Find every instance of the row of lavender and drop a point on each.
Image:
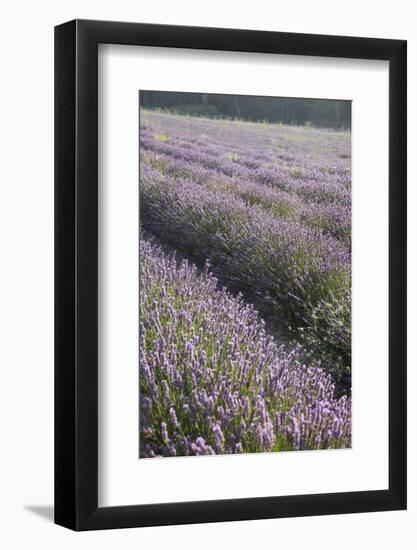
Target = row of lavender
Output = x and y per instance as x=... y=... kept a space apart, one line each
x=269 y=207
x=295 y=173
x=213 y=382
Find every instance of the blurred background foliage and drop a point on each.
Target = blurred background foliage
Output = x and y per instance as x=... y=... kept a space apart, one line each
x=322 y=113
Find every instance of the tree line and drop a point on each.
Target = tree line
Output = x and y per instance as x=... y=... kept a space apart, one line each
x=328 y=113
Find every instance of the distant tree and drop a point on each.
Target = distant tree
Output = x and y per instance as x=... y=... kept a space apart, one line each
x=317 y=112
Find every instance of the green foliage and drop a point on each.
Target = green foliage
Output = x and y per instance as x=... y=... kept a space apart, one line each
x=233 y=157
x=277 y=110
x=207 y=111
x=161 y=137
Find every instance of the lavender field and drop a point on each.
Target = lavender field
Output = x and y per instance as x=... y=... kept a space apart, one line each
x=245 y=286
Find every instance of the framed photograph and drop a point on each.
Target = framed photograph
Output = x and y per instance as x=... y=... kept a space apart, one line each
x=230 y=284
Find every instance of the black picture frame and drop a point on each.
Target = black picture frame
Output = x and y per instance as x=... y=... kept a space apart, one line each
x=76 y=272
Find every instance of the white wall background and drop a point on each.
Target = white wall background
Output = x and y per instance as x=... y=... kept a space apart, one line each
x=26 y=286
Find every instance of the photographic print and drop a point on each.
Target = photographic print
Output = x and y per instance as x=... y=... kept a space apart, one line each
x=244 y=274
x=203 y=274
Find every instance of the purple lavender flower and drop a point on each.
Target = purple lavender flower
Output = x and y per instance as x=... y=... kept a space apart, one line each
x=256 y=398
x=265 y=211
x=269 y=207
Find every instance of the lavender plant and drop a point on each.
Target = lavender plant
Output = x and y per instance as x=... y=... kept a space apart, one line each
x=270 y=208
x=212 y=381
x=283 y=266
